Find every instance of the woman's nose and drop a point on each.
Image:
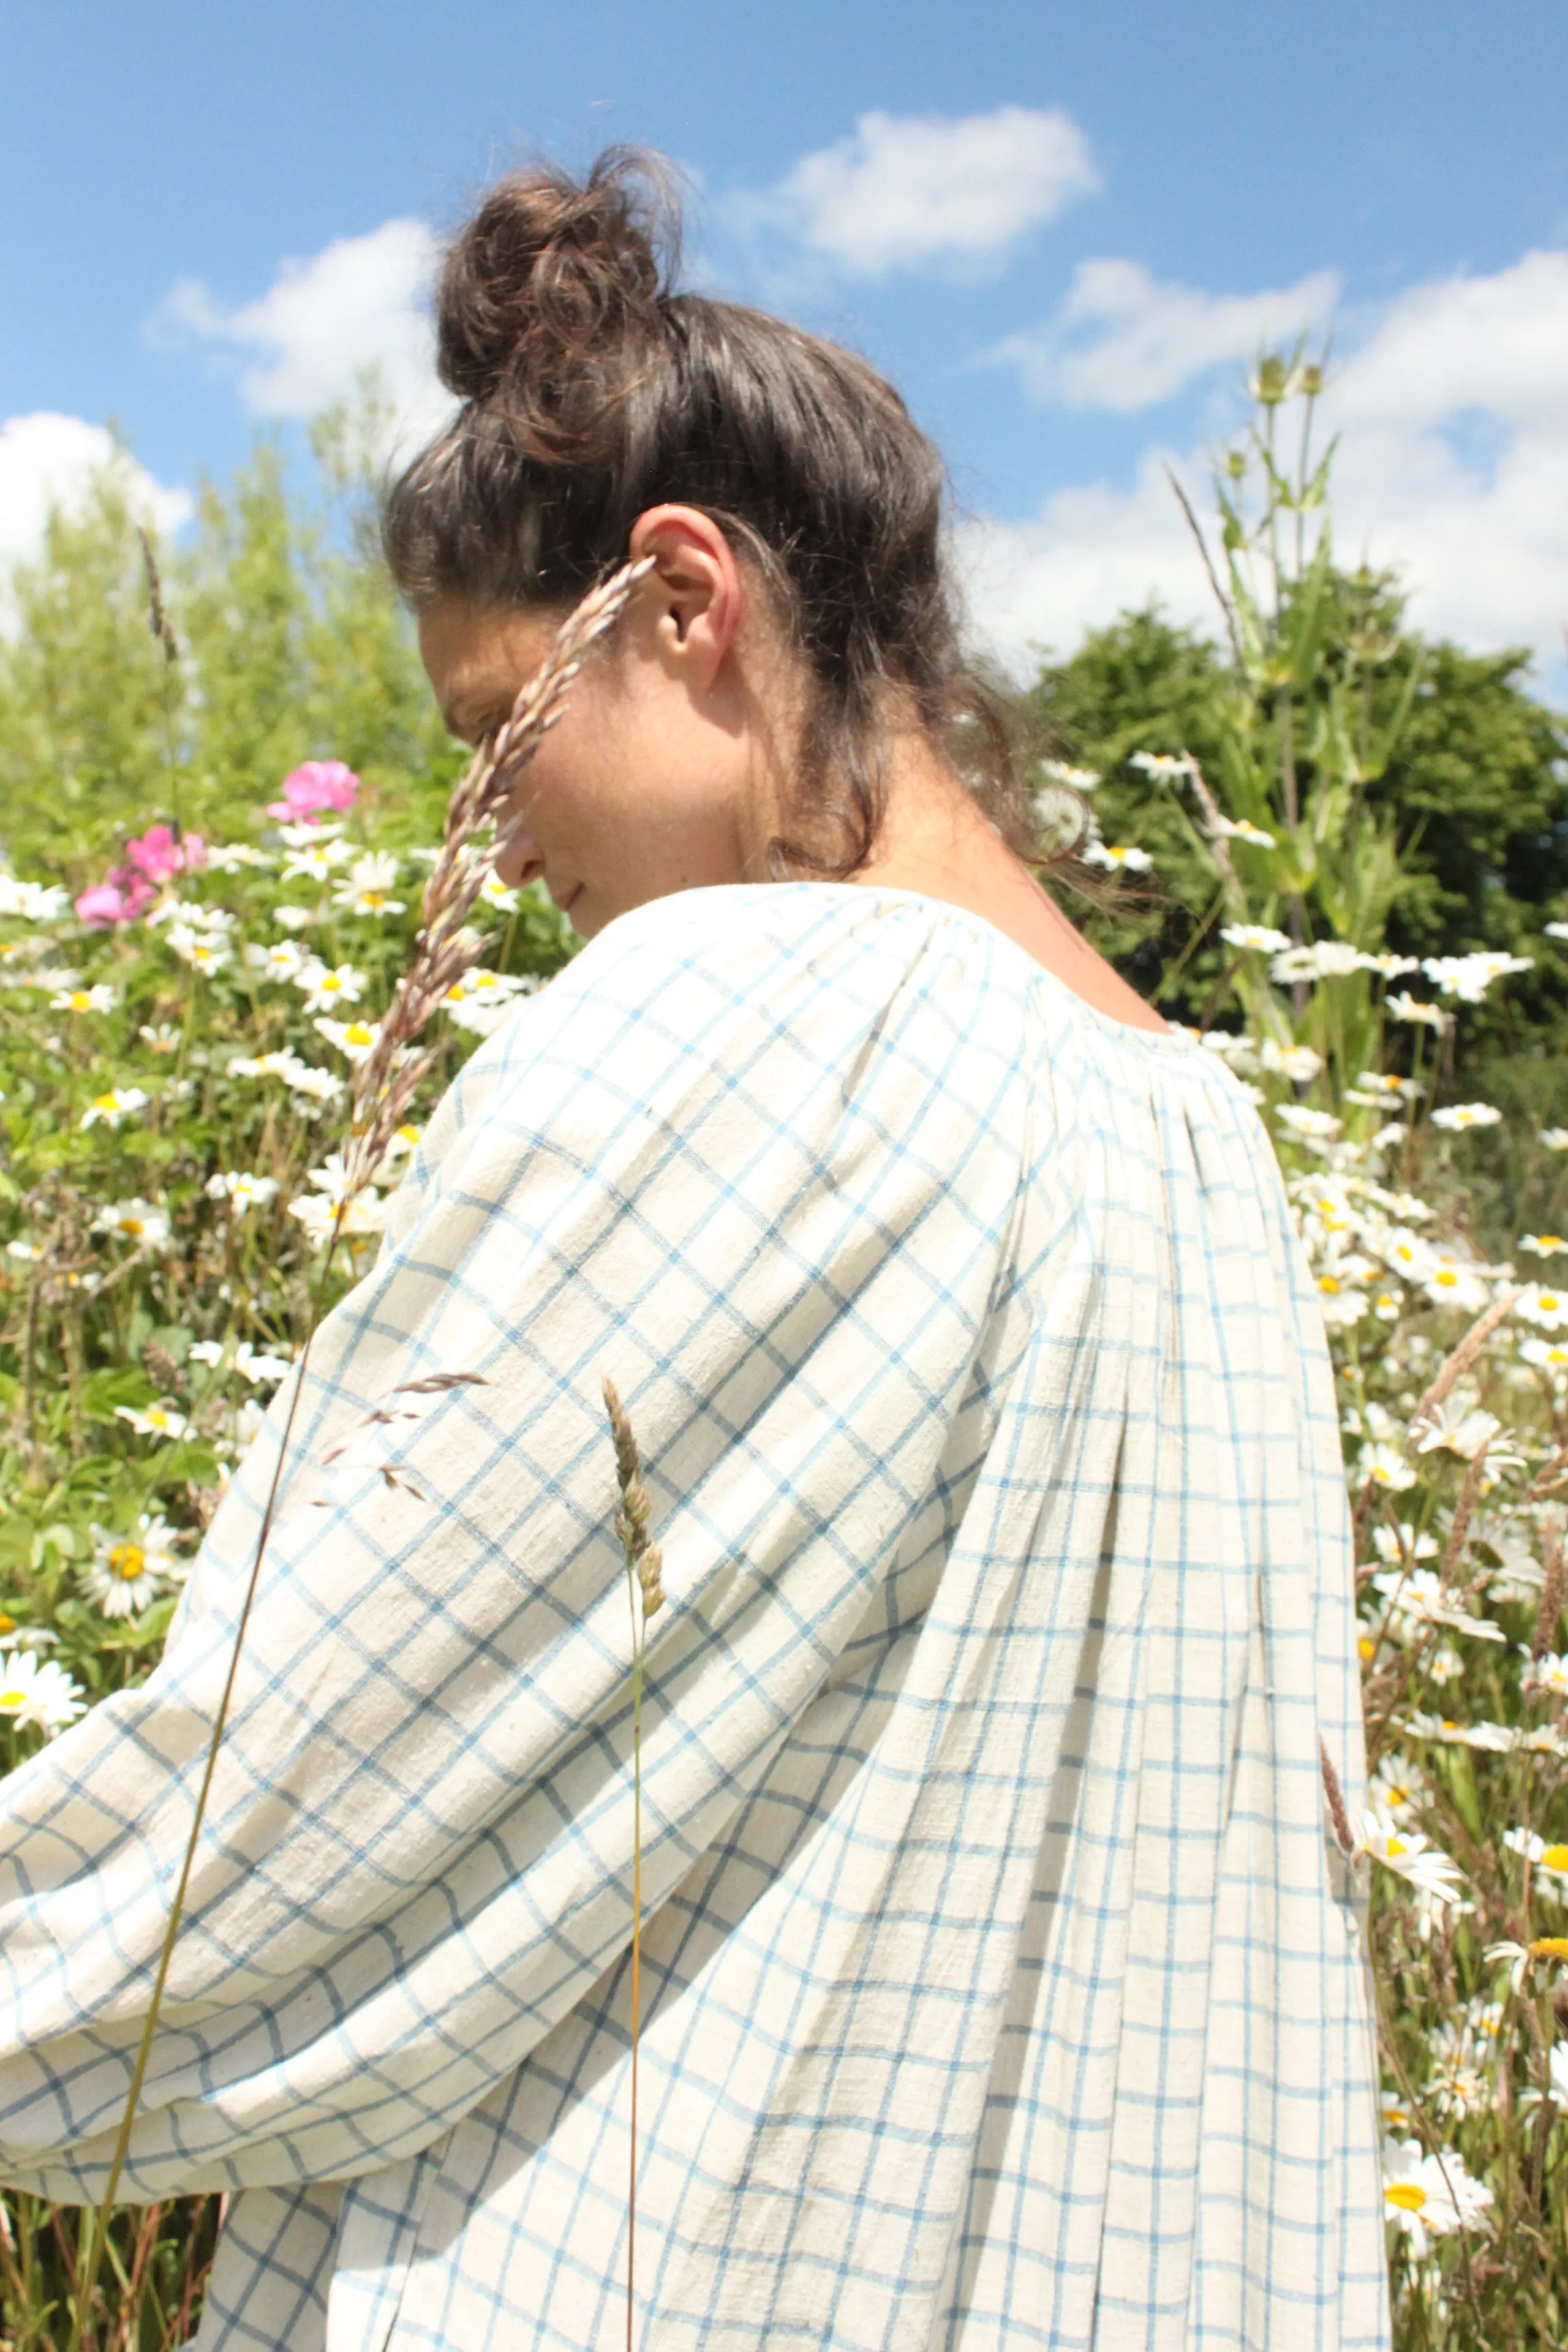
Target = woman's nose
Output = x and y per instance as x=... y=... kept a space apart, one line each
x=519 y=859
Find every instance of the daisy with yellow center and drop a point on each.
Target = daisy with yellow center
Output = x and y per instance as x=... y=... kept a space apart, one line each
x=39 y=1691
x=154 y=1420
x=1428 y=2197
x=129 y=1571
x=355 y=1039
x=113 y=1104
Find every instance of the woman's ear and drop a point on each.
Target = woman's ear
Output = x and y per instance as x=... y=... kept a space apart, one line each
x=693 y=597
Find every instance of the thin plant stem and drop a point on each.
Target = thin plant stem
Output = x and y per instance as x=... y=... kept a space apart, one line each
x=644 y=1592
x=637 y=1984
x=105 y=2210
x=1220 y=597
x=385 y=1085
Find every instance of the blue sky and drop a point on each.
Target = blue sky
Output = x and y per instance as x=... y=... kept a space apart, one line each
x=1061 y=230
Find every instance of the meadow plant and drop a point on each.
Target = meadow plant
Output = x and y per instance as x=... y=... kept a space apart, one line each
x=1452 y=1372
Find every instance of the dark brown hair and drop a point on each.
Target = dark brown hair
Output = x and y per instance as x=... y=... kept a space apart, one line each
x=591 y=391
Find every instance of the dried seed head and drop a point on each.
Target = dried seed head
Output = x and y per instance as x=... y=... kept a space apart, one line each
x=633 y=1520
x=1554 y=1582
x=649 y=1567
x=385 y=1081
x=1335 y=1795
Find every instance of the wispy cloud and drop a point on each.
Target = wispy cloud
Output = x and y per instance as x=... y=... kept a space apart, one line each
x=928 y=191
x=358 y=304
x=46 y=460
x=1122 y=341
x=1452 y=411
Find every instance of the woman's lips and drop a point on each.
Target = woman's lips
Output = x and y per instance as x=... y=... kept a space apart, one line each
x=566 y=904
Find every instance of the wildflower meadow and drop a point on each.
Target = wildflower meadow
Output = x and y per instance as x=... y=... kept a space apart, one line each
x=201 y=940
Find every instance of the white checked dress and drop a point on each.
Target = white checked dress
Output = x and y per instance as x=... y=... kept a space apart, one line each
x=1002 y=1987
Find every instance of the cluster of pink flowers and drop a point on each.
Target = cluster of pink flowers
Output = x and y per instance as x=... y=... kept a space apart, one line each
x=319 y=785
x=131 y=887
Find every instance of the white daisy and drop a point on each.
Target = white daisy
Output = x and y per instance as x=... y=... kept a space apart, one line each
x=35 y=1690
x=154 y=1420
x=1117 y=857
x=130 y=1571
x=1301 y=1119
x=356 y=1039
x=1299 y=1061
x=1548 y=1673
x=134 y=1221
x=1412 y=1008
x=241 y=1188
x=32 y=902
x=318 y=861
x=1458 y=1117
x=1395 y=1787
x=204 y=950
x=1430 y=2195
x=1550 y=1861
x=1386 y=1467
x=113 y=1104
x=1451 y=1284
x=369 y=884
x=97 y=999
x=1541 y=1304
x=1411 y=1854
x=228 y=857
x=1257 y=938
x=329 y=987
x=284 y=960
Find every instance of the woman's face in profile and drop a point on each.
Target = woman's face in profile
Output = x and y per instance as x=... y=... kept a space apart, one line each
x=656 y=776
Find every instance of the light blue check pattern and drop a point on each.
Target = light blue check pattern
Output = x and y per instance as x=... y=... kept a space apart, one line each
x=1001 y=1986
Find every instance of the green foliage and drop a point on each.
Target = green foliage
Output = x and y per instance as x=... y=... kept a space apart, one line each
x=291 y=646
x=1476 y=794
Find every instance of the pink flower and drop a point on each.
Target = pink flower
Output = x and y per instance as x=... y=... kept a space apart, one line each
x=105 y=903
x=129 y=889
x=319 y=785
x=157 y=856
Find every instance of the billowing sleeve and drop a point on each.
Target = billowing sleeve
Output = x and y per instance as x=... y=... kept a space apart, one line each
x=735 y=1170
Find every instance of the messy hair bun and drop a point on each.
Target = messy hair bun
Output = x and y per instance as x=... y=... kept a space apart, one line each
x=550 y=291
x=592 y=390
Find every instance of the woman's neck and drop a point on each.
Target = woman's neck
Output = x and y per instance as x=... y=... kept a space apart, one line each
x=935 y=840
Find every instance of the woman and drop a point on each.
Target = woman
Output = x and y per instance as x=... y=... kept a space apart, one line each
x=1002 y=1983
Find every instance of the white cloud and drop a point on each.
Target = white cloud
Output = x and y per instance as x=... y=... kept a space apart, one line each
x=904 y=192
x=48 y=459
x=1153 y=340
x=1452 y=468
x=1499 y=343
x=1089 y=554
x=359 y=303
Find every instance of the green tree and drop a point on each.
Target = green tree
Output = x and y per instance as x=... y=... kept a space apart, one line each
x=1476 y=794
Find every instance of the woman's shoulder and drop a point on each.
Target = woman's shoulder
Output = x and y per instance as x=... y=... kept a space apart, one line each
x=811 y=943
x=749 y=973
x=835 y=1019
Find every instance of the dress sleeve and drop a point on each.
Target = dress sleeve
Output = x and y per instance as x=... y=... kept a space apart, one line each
x=721 y=1173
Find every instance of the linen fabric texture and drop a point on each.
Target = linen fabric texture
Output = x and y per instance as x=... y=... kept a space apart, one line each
x=1002 y=1984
